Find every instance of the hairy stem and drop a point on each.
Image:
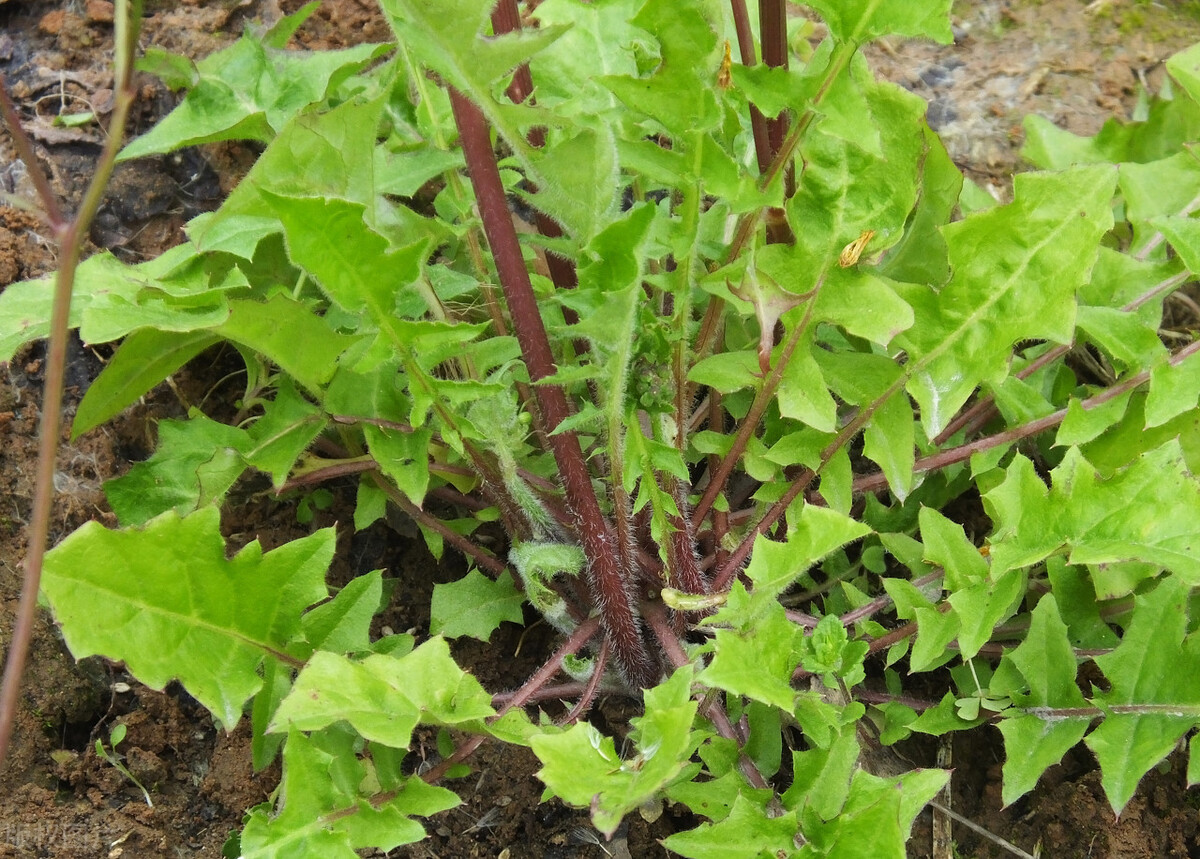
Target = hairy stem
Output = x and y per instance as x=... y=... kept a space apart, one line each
x=609 y=583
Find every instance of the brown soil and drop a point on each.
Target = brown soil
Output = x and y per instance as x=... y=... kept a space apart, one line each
x=1075 y=63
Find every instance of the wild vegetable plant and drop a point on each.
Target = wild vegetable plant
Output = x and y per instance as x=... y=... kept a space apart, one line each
x=793 y=434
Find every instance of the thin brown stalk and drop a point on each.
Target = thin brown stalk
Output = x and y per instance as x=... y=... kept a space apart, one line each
x=70 y=241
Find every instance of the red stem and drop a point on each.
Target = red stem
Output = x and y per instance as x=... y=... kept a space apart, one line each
x=609 y=583
x=582 y=634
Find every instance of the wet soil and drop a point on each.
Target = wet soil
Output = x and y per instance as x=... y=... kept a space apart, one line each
x=1074 y=62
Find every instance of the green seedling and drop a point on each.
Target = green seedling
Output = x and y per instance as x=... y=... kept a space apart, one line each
x=115 y=736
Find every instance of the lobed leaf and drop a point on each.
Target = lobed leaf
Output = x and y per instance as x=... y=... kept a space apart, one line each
x=158 y=598
x=1005 y=287
x=475 y=605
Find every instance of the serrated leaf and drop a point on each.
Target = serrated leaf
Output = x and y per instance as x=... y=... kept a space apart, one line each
x=678 y=94
x=1161 y=189
x=803 y=394
x=757 y=661
x=1184 y=67
x=383 y=697
x=890 y=442
x=353 y=264
x=583 y=769
x=947 y=544
x=145 y=358
x=821 y=779
x=1038 y=738
x=969 y=327
x=1156 y=666
x=194 y=465
x=877 y=816
x=746 y=833
x=320 y=818
x=1082 y=425
x=774 y=566
x=475 y=605
x=727 y=371
x=1147 y=512
x=343 y=624
x=159 y=598
x=1174 y=390
x=581 y=176
x=860 y=21
x=247 y=92
x=273 y=328
x=449 y=38
x=403 y=457
x=112 y=299
x=288 y=426
x=1132 y=342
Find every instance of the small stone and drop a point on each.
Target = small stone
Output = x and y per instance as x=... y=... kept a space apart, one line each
x=52 y=22
x=99 y=11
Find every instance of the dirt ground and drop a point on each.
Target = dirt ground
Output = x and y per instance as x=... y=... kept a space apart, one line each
x=1074 y=62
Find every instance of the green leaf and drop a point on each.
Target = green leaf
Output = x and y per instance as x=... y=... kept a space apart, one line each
x=877 y=816
x=247 y=92
x=601 y=40
x=449 y=38
x=678 y=94
x=328 y=818
x=727 y=371
x=935 y=629
x=475 y=605
x=890 y=441
x=946 y=544
x=383 y=697
x=1005 y=288
x=324 y=154
x=1164 y=188
x=403 y=457
x=1148 y=511
x=1156 y=669
x=1037 y=738
x=145 y=358
x=1082 y=425
x=583 y=769
x=821 y=776
x=1184 y=67
x=273 y=328
x=176 y=71
x=581 y=179
x=286 y=429
x=860 y=21
x=343 y=625
x=920 y=256
x=194 y=465
x=748 y=832
x=1184 y=235
x=803 y=394
x=775 y=566
x=1131 y=342
x=757 y=661
x=164 y=599
x=354 y=264
x=175 y=292
x=1174 y=390
x=403 y=173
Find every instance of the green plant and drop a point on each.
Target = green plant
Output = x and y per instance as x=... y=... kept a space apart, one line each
x=114 y=758
x=775 y=415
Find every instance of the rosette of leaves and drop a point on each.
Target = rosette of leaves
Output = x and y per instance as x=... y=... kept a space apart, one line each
x=775 y=409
